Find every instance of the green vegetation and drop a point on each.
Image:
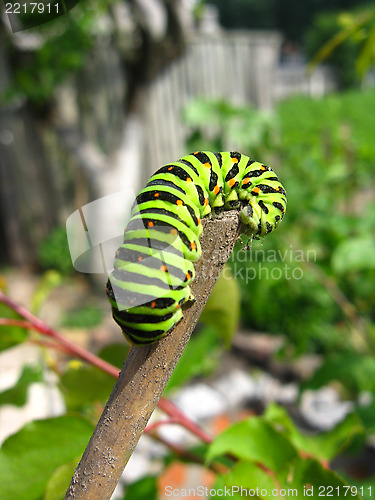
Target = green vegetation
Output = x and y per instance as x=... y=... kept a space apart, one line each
x=54 y=253
x=87 y=316
x=63 y=45
x=343 y=59
x=292 y=18
x=311 y=281
x=353 y=37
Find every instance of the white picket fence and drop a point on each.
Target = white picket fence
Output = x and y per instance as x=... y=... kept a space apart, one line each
x=241 y=67
x=94 y=148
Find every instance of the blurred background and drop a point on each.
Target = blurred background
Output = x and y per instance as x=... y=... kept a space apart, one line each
x=92 y=103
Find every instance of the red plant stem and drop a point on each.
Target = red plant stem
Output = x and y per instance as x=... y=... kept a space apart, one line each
x=44 y=329
x=173 y=411
x=50 y=345
x=15 y=322
x=33 y=322
x=151 y=427
x=178 y=418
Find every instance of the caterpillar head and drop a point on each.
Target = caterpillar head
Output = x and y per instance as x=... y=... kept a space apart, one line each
x=260 y=217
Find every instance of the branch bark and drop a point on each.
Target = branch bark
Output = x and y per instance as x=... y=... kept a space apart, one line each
x=145 y=374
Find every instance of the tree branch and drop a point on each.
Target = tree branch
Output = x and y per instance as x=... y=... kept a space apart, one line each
x=75 y=350
x=145 y=375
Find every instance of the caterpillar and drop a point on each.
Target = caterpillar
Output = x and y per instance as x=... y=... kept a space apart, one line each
x=154 y=265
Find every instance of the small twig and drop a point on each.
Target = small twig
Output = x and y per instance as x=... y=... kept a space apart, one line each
x=50 y=345
x=150 y=428
x=16 y=322
x=173 y=411
x=145 y=375
x=71 y=347
x=29 y=326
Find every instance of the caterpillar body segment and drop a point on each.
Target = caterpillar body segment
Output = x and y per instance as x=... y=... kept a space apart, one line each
x=154 y=266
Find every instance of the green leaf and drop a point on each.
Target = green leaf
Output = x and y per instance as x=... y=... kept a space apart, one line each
x=323 y=446
x=365 y=486
x=221 y=485
x=200 y=357
x=354 y=254
x=60 y=480
x=220 y=312
x=146 y=487
x=355 y=371
x=255 y=440
x=250 y=476
x=17 y=395
x=198 y=111
x=115 y=353
x=82 y=385
x=367 y=415
x=29 y=457
x=310 y=475
x=53 y=253
x=84 y=317
x=367 y=55
x=10 y=335
x=349 y=29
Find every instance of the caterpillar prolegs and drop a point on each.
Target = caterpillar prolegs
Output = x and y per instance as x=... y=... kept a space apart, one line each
x=154 y=265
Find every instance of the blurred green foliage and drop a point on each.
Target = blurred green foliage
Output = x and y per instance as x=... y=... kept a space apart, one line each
x=146 y=487
x=312 y=279
x=86 y=316
x=29 y=457
x=17 y=395
x=293 y=457
x=292 y=18
x=219 y=312
x=351 y=45
x=83 y=385
x=201 y=357
x=53 y=252
x=62 y=47
x=57 y=483
x=228 y=124
x=343 y=59
x=50 y=280
x=10 y=335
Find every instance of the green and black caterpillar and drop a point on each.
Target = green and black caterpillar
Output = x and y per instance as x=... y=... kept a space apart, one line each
x=154 y=265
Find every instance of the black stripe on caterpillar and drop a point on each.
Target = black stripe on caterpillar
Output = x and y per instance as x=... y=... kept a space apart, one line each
x=154 y=265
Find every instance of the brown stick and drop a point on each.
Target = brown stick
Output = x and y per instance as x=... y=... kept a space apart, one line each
x=145 y=374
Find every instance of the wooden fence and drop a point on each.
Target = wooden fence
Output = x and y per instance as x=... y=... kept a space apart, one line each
x=46 y=172
x=239 y=67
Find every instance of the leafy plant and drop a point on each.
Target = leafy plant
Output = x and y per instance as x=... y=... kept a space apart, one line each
x=322 y=302
x=272 y=455
x=32 y=455
x=267 y=451
x=311 y=282
x=62 y=48
x=321 y=34
x=353 y=29
x=54 y=252
x=218 y=125
x=84 y=317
